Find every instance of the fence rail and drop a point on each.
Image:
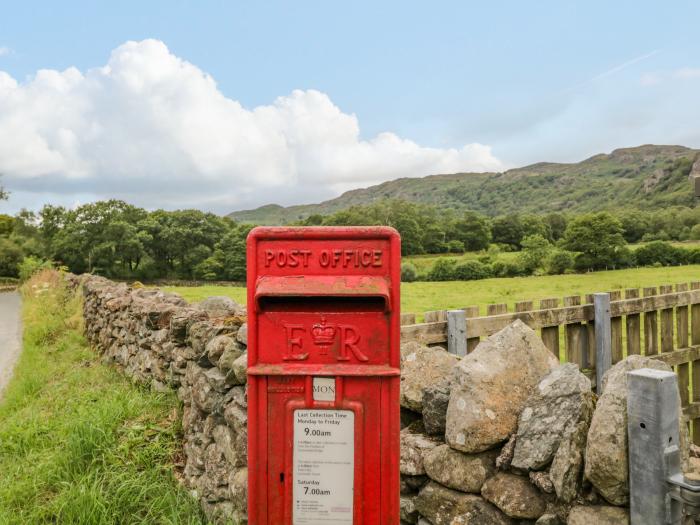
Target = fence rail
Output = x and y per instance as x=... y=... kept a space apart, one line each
x=663 y=322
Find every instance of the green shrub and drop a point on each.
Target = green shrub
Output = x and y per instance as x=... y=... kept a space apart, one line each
x=507 y=269
x=10 y=258
x=455 y=246
x=443 y=270
x=471 y=271
x=695 y=232
x=31 y=265
x=559 y=262
x=660 y=252
x=409 y=273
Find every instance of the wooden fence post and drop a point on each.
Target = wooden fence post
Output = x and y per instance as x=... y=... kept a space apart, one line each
x=603 y=338
x=457 y=332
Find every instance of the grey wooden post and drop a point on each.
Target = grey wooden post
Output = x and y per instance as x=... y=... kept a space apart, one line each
x=652 y=430
x=457 y=332
x=603 y=338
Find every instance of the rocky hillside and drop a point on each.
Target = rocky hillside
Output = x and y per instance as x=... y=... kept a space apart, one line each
x=646 y=176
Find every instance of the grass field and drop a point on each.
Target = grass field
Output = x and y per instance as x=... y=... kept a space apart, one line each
x=78 y=443
x=423 y=296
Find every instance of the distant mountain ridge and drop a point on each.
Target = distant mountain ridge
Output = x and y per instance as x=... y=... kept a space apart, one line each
x=646 y=176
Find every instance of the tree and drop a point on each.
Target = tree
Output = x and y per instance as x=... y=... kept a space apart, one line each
x=535 y=252
x=508 y=229
x=7 y=225
x=472 y=229
x=10 y=257
x=3 y=194
x=598 y=239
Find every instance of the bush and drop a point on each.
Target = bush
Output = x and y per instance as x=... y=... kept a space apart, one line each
x=442 y=270
x=409 y=273
x=455 y=246
x=695 y=232
x=10 y=257
x=660 y=252
x=471 y=271
x=559 y=262
x=31 y=265
x=694 y=256
x=507 y=269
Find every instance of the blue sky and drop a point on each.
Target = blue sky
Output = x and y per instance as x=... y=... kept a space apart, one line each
x=457 y=86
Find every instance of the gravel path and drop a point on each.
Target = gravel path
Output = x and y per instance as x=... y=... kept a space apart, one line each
x=10 y=335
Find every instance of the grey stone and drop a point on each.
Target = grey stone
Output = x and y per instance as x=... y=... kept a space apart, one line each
x=436 y=397
x=218 y=345
x=421 y=368
x=221 y=306
x=514 y=496
x=236 y=409
x=606 y=465
x=238 y=484
x=549 y=519
x=566 y=471
x=542 y=481
x=412 y=484
x=561 y=400
x=599 y=515
x=407 y=509
x=457 y=470
x=240 y=369
x=491 y=387
x=506 y=456
x=242 y=335
x=442 y=506
x=207 y=398
x=414 y=445
x=229 y=445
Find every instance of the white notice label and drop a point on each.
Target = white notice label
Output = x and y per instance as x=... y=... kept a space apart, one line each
x=324 y=467
x=324 y=388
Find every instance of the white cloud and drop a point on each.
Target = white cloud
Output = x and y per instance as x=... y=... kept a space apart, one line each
x=657 y=77
x=154 y=129
x=687 y=72
x=4 y=50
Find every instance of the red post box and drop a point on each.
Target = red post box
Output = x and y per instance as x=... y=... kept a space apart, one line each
x=323 y=376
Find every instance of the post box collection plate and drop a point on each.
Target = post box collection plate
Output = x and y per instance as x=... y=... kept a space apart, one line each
x=323 y=376
x=324 y=457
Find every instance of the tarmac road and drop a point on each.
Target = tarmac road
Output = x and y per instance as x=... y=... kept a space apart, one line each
x=10 y=335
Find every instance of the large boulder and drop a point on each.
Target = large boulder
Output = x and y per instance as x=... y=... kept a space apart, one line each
x=514 y=495
x=492 y=384
x=598 y=515
x=562 y=400
x=414 y=444
x=459 y=471
x=442 y=506
x=423 y=367
x=606 y=448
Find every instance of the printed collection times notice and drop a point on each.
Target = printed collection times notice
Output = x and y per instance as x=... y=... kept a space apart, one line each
x=324 y=467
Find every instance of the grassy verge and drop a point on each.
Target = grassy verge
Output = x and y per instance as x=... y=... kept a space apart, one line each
x=424 y=296
x=78 y=442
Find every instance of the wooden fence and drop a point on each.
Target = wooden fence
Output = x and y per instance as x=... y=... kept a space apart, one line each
x=663 y=322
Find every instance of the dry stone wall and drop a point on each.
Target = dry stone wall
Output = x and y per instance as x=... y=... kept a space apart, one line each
x=159 y=340
x=504 y=435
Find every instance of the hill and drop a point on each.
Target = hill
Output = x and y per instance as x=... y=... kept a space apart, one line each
x=647 y=176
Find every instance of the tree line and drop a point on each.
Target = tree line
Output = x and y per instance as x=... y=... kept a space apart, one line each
x=119 y=240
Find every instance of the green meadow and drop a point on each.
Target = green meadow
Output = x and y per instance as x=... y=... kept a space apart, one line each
x=420 y=297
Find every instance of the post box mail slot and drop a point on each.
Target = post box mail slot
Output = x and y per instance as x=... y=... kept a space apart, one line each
x=323 y=376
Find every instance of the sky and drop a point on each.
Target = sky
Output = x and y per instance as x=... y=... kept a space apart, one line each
x=224 y=106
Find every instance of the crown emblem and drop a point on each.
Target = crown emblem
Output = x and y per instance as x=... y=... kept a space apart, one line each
x=323 y=334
